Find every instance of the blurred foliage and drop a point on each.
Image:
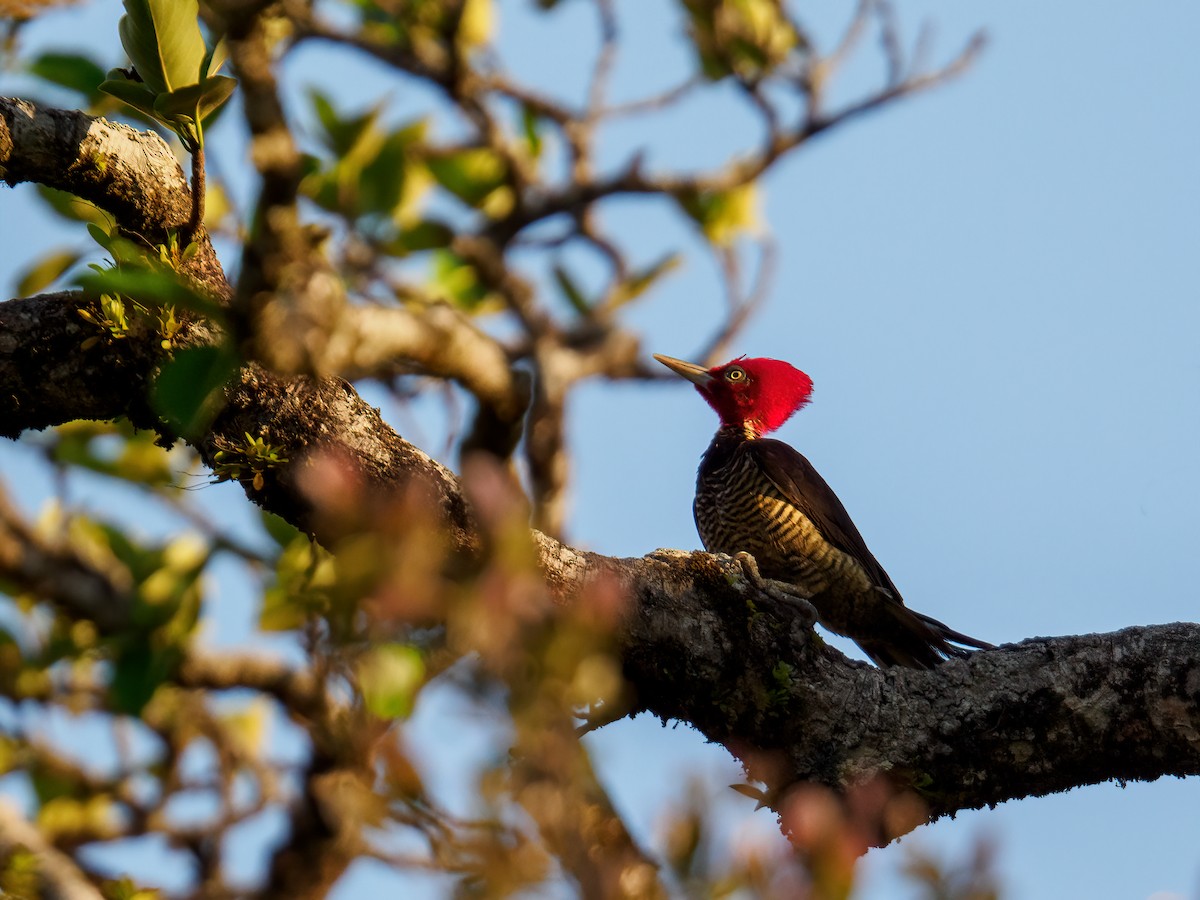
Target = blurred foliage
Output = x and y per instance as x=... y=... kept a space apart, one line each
x=743 y=38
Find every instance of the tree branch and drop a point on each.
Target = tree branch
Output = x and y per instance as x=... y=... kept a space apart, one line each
x=128 y=173
x=60 y=878
x=699 y=644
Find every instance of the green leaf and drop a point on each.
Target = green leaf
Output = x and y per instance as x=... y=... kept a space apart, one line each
x=137 y=457
x=389 y=677
x=73 y=71
x=45 y=271
x=100 y=235
x=343 y=134
x=726 y=215
x=180 y=111
x=134 y=93
x=163 y=40
x=72 y=208
x=216 y=58
x=745 y=38
x=189 y=391
x=381 y=180
x=471 y=175
x=138 y=671
x=642 y=280
x=196 y=101
x=216 y=90
x=281 y=611
x=456 y=281
x=570 y=290
x=529 y=127
x=281 y=531
x=758 y=795
x=305 y=576
x=425 y=235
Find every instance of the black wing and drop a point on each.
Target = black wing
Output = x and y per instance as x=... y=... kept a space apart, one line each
x=803 y=487
x=797 y=480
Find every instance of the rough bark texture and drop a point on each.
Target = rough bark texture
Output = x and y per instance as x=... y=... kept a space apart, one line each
x=701 y=642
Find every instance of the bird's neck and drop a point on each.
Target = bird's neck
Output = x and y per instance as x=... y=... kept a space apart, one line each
x=741 y=431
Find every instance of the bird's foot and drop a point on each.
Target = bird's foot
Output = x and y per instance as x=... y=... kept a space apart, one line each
x=779 y=591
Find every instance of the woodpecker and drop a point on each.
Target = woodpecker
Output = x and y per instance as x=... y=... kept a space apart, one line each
x=760 y=496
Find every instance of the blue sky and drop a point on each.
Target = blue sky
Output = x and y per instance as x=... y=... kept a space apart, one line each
x=995 y=289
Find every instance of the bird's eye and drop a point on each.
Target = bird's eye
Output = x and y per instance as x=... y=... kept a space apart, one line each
x=736 y=374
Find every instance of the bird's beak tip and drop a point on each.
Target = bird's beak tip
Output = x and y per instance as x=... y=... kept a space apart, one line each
x=692 y=372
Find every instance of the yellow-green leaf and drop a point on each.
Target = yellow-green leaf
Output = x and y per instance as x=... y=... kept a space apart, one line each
x=134 y=93
x=163 y=40
x=642 y=280
x=471 y=175
x=45 y=271
x=70 y=70
x=724 y=216
x=389 y=677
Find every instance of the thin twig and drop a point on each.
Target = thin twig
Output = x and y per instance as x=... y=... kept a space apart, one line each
x=196 y=219
x=607 y=57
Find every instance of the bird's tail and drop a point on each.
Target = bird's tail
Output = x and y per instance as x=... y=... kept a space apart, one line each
x=950 y=636
x=918 y=641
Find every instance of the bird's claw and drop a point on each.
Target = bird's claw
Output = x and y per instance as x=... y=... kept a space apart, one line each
x=779 y=591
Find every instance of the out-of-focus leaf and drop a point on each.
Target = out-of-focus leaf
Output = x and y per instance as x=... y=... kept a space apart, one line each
x=477 y=176
x=424 y=235
x=724 y=216
x=476 y=24
x=305 y=576
x=758 y=795
x=278 y=529
x=342 y=134
x=189 y=391
x=74 y=209
x=746 y=38
x=386 y=183
x=281 y=612
x=217 y=206
x=531 y=132
x=456 y=281
x=389 y=677
x=65 y=817
x=136 y=457
x=151 y=287
x=70 y=70
x=248 y=726
x=45 y=271
x=138 y=671
x=49 y=786
x=571 y=291
x=643 y=279
x=126 y=889
x=373 y=172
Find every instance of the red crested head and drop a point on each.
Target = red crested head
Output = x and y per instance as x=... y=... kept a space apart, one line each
x=755 y=395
